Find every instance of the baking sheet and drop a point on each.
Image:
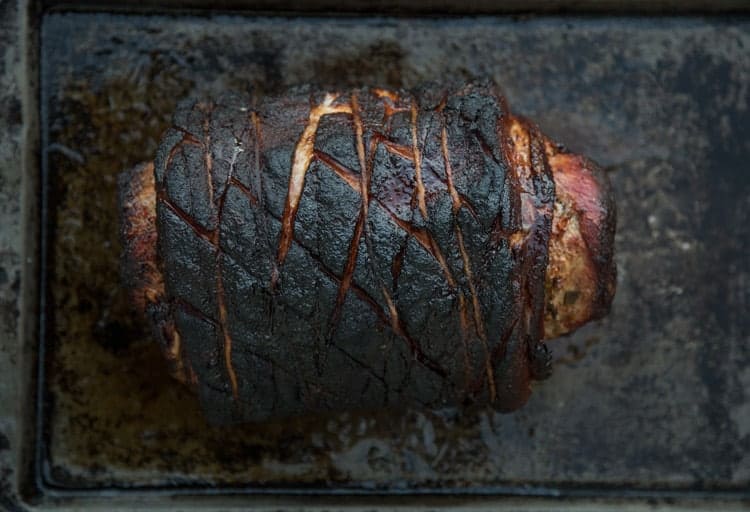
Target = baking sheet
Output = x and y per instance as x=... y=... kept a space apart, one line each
x=653 y=399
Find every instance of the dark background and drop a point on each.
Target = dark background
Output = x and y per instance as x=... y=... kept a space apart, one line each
x=654 y=397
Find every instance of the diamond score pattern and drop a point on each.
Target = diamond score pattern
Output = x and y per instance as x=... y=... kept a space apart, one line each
x=305 y=154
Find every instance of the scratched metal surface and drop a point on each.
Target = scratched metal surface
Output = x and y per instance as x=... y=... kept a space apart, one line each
x=655 y=397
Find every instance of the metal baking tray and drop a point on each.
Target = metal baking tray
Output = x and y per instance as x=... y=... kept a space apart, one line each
x=653 y=402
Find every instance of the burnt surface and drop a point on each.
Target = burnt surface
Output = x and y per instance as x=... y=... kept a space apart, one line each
x=653 y=397
x=352 y=251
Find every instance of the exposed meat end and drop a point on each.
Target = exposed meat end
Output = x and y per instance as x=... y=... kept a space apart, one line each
x=581 y=276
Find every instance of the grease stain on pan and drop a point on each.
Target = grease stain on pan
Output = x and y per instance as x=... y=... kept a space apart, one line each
x=663 y=363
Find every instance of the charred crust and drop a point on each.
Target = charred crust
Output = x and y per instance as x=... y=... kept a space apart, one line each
x=250 y=211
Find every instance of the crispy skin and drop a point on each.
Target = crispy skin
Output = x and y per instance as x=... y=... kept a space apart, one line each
x=326 y=251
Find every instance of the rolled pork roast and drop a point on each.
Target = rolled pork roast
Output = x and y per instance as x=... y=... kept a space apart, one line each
x=329 y=250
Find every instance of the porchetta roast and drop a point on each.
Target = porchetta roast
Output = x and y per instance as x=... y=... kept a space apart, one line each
x=328 y=250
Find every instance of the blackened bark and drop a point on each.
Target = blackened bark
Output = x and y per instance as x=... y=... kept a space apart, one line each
x=367 y=249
